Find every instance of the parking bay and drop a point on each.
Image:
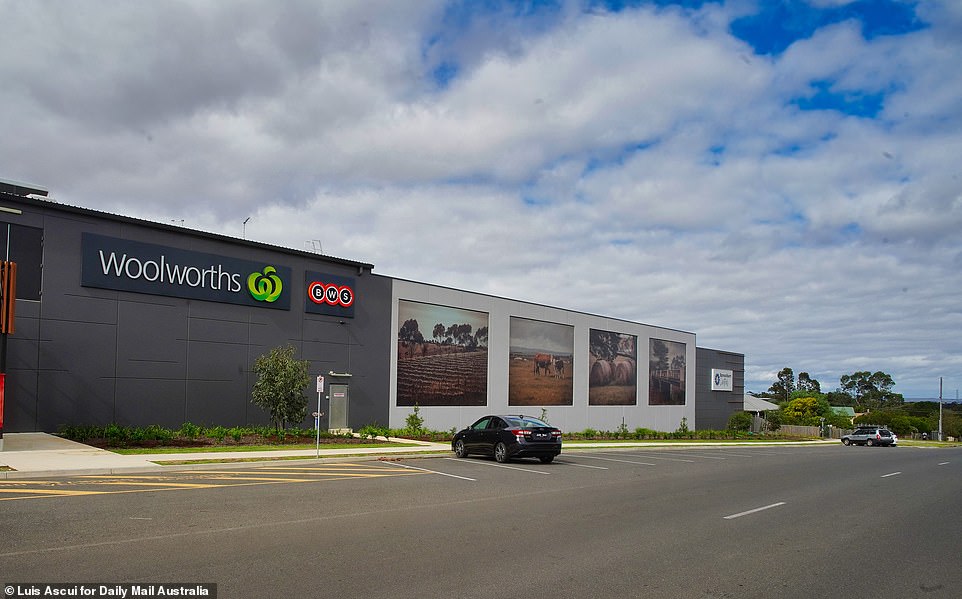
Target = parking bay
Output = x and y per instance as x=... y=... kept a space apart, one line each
x=694 y=522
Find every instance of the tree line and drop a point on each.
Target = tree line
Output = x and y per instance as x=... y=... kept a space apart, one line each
x=461 y=334
x=801 y=401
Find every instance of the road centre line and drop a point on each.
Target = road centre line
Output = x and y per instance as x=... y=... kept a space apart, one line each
x=462 y=460
x=594 y=457
x=890 y=474
x=754 y=511
x=474 y=480
x=652 y=457
x=943 y=463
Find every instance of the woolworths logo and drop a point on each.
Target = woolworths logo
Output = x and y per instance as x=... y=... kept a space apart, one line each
x=133 y=266
x=265 y=286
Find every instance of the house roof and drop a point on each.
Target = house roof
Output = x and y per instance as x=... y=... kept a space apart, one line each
x=757 y=404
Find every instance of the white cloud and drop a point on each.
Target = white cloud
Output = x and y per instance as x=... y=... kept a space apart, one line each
x=643 y=164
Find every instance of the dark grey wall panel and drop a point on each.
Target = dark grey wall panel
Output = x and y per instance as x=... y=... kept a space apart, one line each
x=713 y=408
x=142 y=401
x=151 y=341
x=93 y=356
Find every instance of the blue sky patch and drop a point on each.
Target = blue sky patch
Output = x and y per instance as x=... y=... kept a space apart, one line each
x=854 y=103
x=780 y=24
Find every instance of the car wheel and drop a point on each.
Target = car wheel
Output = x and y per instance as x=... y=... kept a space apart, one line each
x=501 y=453
x=870 y=443
x=546 y=459
x=459 y=449
x=846 y=442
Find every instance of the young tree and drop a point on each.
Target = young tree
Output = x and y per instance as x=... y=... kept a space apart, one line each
x=280 y=384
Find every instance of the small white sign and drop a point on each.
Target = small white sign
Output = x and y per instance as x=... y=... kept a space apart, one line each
x=721 y=380
x=320 y=384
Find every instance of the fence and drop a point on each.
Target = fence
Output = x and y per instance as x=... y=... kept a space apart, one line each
x=831 y=432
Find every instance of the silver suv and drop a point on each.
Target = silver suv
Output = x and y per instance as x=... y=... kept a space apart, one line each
x=870 y=435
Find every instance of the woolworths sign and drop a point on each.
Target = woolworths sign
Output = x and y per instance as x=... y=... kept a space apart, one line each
x=124 y=265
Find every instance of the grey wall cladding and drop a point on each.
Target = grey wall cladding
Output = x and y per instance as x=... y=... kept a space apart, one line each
x=713 y=408
x=82 y=355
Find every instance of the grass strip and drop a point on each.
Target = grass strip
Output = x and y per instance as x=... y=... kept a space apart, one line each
x=240 y=448
x=278 y=458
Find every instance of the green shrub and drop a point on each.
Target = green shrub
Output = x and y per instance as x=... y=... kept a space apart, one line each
x=371 y=431
x=189 y=431
x=116 y=435
x=414 y=422
x=740 y=421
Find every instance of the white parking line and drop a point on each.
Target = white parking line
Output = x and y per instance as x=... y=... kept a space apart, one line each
x=496 y=465
x=474 y=480
x=756 y=510
x=653 y=457
x=591 y=457
x=566 y=463
x=707 y=457
x=890 y=474
x=943 y=463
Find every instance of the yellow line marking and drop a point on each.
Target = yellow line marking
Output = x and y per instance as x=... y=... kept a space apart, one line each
x=46 y=492
x=149 y=484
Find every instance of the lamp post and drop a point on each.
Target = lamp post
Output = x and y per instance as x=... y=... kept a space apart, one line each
x=245 y=226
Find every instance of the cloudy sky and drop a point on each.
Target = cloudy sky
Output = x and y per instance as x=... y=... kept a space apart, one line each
x=781 y=178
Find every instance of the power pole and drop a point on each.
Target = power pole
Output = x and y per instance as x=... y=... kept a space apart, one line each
x=940 y=409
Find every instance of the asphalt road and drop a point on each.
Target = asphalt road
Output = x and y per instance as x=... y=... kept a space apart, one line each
x=807 y=522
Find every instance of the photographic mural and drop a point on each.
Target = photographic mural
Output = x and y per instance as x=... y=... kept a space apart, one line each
x=613 y=369
x=442 y=356
x=666 y=373
x=540 y=367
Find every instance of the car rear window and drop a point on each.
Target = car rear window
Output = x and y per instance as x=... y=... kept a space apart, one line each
x=525 y=422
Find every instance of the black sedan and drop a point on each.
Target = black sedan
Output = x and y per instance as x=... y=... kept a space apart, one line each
x=506 y=437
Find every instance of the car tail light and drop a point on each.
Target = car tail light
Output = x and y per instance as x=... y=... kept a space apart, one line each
x=878 y=436
x=555 y=433
x=520 y=433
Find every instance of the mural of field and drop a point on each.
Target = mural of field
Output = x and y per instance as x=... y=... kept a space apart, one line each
x=455 y=379
x=450 y=368
x=666 y=365
x=613 y=369
x=541 y=364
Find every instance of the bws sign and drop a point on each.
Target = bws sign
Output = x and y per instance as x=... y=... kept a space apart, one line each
x=329 y=294
x=124 y=265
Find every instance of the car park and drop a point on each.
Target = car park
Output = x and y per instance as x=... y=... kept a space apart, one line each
x=871 y=436
x=508 y=436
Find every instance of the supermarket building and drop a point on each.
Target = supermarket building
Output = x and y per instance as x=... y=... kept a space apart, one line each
x=134 y=322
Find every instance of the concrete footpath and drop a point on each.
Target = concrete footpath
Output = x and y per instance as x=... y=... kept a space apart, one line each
x=33 y=455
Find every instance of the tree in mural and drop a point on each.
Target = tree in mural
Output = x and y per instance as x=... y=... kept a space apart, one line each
x=604 y=345
x=659 y=355
x=410 y=332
